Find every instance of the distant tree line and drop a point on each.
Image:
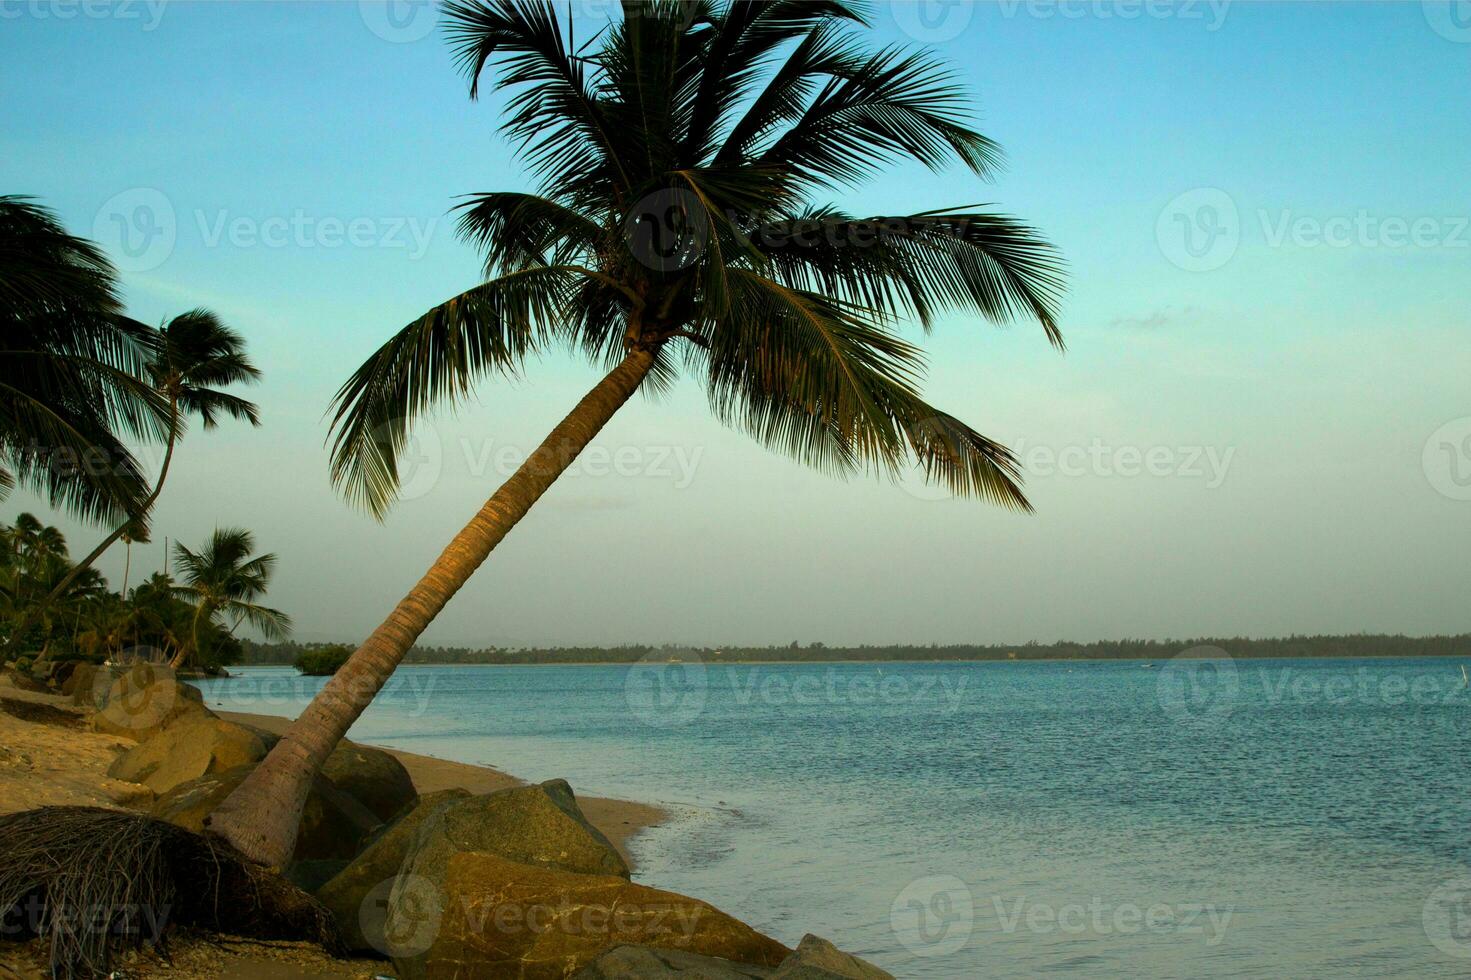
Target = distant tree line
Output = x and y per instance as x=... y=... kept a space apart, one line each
x=1356 y=645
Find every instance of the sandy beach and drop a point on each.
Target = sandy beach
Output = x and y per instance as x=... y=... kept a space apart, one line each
x=57 y=762
x=48 y=758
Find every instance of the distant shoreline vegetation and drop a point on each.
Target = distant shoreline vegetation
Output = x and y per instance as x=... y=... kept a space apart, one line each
x=1357 y=645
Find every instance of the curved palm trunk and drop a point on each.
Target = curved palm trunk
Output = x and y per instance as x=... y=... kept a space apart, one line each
x=182 y=657
x=260 y=818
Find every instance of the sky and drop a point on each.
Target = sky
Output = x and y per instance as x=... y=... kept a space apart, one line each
x=1261 y=425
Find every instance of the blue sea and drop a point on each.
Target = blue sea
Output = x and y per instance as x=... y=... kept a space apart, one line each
x=1181 y=818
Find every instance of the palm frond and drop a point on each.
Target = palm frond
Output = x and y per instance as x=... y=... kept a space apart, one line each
x=979 y=262
x=436 y=360
x=517 y=231
x=554 y=117
x=895 y=104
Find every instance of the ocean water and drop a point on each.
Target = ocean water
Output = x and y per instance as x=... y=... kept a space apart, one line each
x=1187 y=818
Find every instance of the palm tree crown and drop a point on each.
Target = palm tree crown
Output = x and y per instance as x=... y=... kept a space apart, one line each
x=196 y=355
x=223 y=579
x=682 y=154
x=70 y=371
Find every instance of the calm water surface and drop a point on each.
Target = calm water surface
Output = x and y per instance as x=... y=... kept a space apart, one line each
x=1303 y=818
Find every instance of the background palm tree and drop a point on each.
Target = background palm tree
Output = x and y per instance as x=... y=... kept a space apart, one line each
x=682 y=156
x=134 y=532
x=35 y=561
x=193 y=356
x=223 y=580
x=71 y=370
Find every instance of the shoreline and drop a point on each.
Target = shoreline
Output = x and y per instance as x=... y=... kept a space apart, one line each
x=619 y=820
x=1453 y=655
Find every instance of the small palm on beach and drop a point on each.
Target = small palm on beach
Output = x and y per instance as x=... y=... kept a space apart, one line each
x=684 y=157
x=224 y=579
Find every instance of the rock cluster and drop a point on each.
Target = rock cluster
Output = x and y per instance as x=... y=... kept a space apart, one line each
x=515 y=883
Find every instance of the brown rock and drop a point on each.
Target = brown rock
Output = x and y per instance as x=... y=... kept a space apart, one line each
x=193 y=745
x=817 y=959
x=371 y=776
x=332 y=823
x=647 y=963
x=23 y=681
x=358 y=895
x=491 y=918
x=540 y=825
x=88 y=685
x=143 y=700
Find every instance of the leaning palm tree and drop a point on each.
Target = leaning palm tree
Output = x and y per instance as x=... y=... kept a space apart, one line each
x=193 y=356
x=223 y=580
x=682 y=156
x=71 y=371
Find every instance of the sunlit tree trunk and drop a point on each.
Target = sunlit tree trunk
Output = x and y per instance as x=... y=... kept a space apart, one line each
x=260 y=818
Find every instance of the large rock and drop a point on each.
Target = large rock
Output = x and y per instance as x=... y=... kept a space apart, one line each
x=817 y=959
x=84 y=688
x=194 y=745
x=371 y=776
x=488 y=918
x=358 y=895
x=144 y=700
x=538 y=825
x=647 y=963
x=59 y=672
x=332 y=823
x=23 y=681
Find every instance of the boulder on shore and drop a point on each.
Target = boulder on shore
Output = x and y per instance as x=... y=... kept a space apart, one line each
x=486 y=917
x=22 y=680
x=83 y=686
x=332 y=823
x=647 y=963
x=817 y=959
x=143 y=700
x=193 y=745
x=371 y=776
x=358 y=895
x=536 y=825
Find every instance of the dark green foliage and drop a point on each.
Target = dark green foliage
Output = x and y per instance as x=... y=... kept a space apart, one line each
x=159 y=619
x=1357 y=645
x=71 y=371
x=322 y=661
